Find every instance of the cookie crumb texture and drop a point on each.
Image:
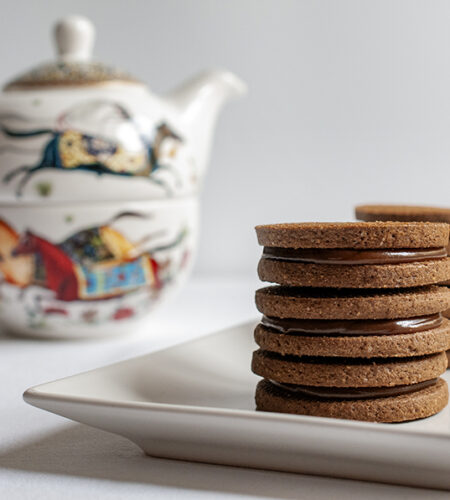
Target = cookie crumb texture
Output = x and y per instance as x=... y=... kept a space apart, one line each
x=420 y=404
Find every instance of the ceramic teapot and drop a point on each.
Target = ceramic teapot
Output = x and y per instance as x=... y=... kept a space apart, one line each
x=99 y=180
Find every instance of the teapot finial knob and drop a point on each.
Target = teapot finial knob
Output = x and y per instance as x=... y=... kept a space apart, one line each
x=74 y=37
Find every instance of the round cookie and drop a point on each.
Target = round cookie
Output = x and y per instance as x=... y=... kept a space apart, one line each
x=420 y=404
x=357 y=276
x=405 y=213
x=364 y=346
x=356 y=235
x=324 y=303
x=338 y=372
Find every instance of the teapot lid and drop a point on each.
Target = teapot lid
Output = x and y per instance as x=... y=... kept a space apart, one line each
x=74 y=37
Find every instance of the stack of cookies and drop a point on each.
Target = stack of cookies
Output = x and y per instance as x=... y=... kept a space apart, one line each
x=406 y=213
x=354 y=327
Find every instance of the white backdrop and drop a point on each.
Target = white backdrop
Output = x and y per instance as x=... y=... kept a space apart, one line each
x=349 y=100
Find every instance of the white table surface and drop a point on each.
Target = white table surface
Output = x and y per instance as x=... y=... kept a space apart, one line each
x=43 y=456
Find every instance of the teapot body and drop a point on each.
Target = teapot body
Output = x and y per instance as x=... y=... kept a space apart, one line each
x=89 y=270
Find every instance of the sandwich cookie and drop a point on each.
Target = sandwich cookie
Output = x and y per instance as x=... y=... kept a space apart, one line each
x=323 y=322
x=373 y=390
x=354 y=255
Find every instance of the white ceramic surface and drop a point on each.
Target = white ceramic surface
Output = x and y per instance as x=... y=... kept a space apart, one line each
x=92 y=269
x=76 y=130
x=195 y=402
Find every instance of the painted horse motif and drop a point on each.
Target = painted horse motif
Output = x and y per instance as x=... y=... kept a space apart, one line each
x=71 y=280
x=74 y=146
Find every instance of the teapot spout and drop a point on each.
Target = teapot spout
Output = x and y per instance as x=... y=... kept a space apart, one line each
x=199 y=101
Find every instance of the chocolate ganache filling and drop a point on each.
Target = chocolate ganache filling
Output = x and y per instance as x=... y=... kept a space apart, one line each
x=345 y=256
x=310 y=327
x=353 y=392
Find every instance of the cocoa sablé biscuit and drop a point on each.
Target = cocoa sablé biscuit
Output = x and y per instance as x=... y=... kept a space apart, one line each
x=321 y=346
x=347 y=372
x=302 y=274
x=353 y=235
x=353 y=346
x=404 y=213
x=328 y=303
x=421 y=403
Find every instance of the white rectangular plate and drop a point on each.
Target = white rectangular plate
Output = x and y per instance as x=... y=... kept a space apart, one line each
x=195 y=402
